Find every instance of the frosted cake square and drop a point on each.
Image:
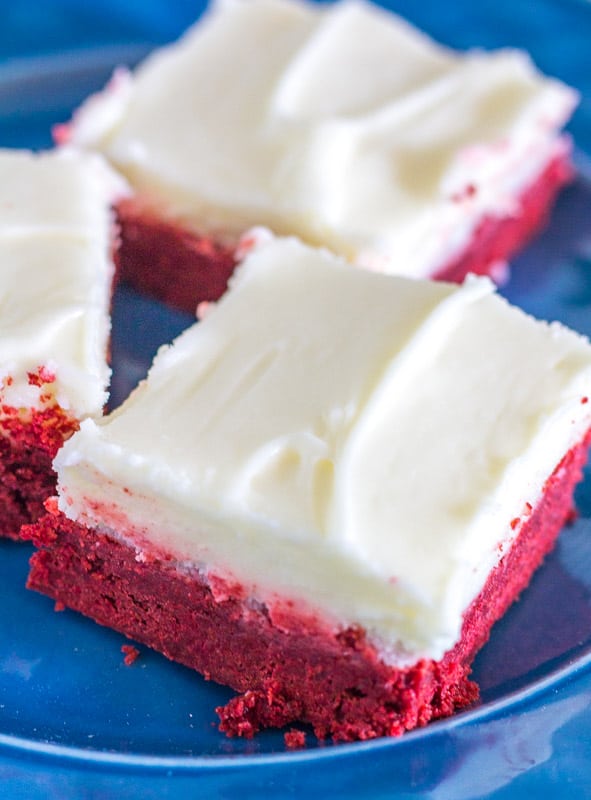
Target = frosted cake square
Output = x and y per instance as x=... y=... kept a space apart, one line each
x=340 y=124
x=326 y=491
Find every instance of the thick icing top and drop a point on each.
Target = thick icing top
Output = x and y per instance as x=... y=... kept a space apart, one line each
x=340 y=124
x=55 y=281
x=354 y=441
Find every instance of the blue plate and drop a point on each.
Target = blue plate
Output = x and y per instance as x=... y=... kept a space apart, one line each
x=76 y=722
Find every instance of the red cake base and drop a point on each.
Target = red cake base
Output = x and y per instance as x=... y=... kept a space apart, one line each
x=287 y=667
x=28 y=444
x=164 y=259
x=497 y=239
x=167 y=261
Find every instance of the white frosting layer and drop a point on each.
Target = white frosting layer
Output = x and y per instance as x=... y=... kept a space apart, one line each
x=338 y=123
x=353 y=441
x=56 y=234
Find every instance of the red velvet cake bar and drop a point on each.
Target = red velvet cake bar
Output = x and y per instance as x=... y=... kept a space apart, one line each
x=56 y=237
x=336 y=499
x=353 y=131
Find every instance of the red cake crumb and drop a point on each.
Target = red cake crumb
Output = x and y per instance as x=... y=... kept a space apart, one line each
x=468 y=191
x=41 y=376
x=61 y=133
x=294 y=739
x=131 y=654
x=296 y=672
x=165 y=259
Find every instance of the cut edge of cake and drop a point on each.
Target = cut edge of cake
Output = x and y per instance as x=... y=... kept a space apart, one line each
x=58 y=237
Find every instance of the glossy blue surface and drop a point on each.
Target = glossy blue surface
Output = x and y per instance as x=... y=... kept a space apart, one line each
x=76 y=722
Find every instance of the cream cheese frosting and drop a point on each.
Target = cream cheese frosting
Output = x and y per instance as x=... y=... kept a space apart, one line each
x=340 y=124
x=355 y=442
x=56 y=236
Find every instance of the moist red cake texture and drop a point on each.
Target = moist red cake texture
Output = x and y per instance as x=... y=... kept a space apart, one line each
x=287 y=667
x=166 y=260
x=29 y=440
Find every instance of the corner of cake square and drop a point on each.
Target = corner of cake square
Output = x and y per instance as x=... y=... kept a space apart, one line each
x=354 y=131
x=326 y=491
x=57 y=236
